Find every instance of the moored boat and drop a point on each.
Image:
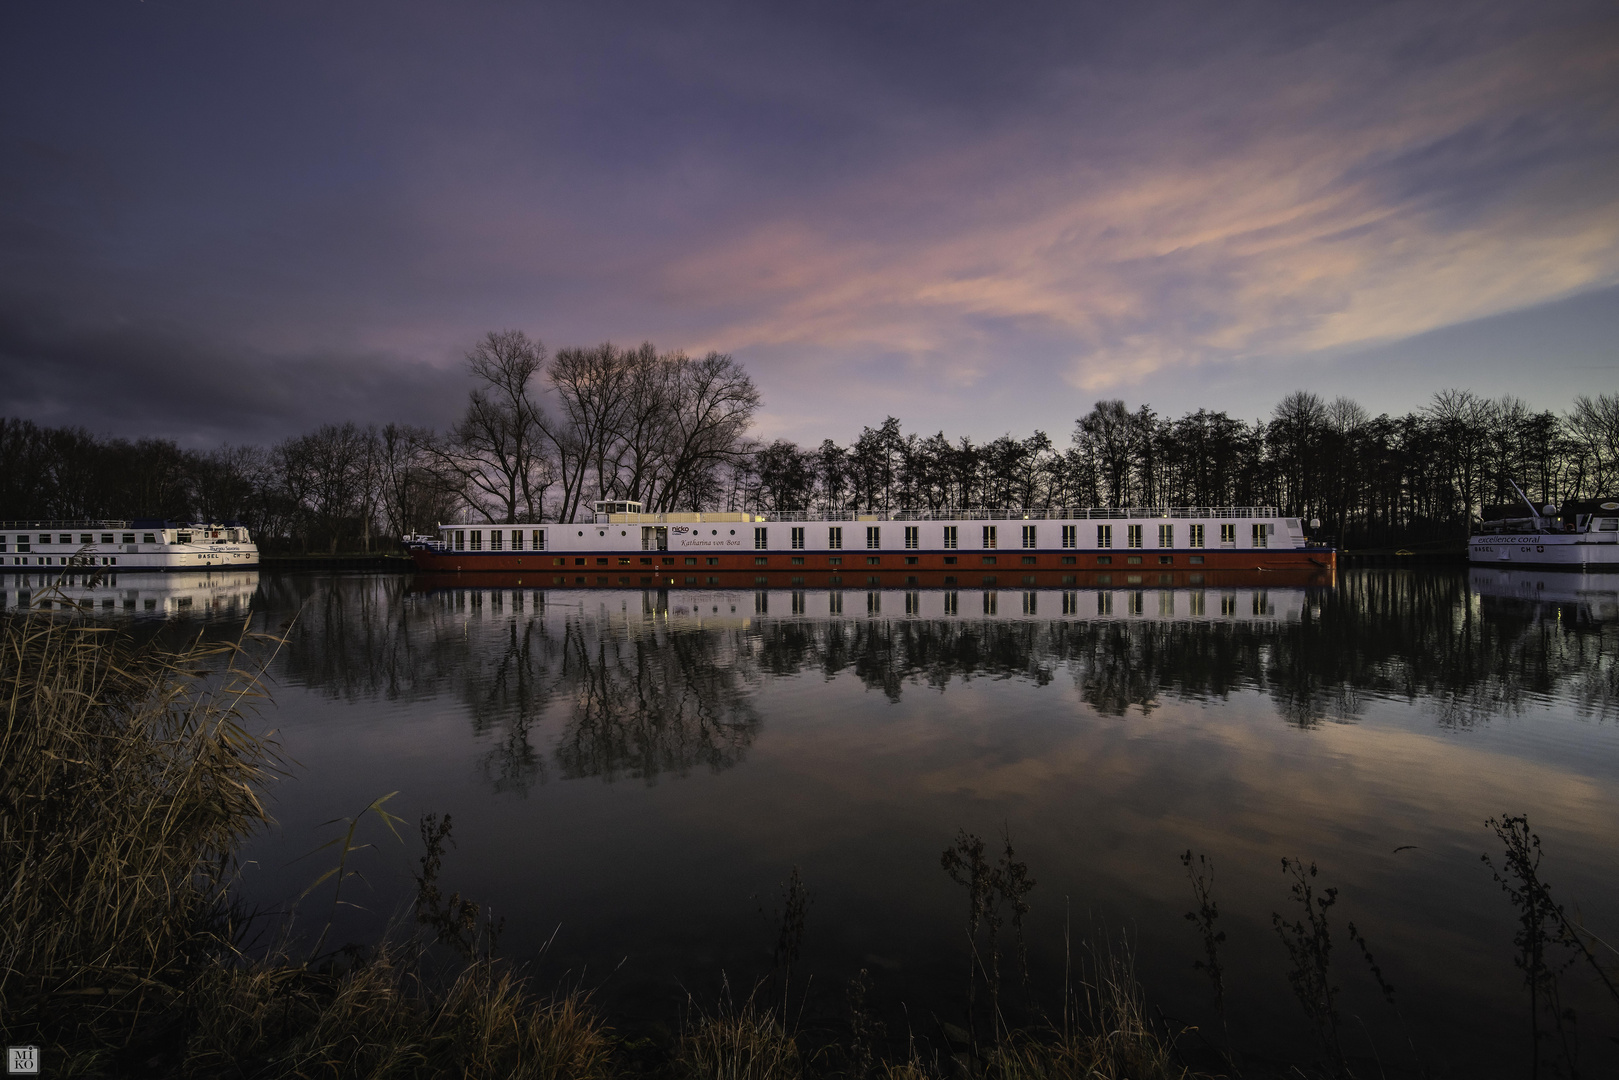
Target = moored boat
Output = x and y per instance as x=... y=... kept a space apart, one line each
x=624 y=546
x=1580 y=534
x=139 y=544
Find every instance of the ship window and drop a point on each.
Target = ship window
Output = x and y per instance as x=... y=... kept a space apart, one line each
x=713 y=560
x=539 y=539
x=1135 y=535
x=913 y=537
x=517 y=539
x=691 y=561
x=1196 y=560
x=460 y=540
x=874 y=560
x=1196 y=537
x=1070 y=536
x=761 y=560
x=798 y=539
x=834 y=538
x=1261 y=536
x=86 y=538
x=761 y=538
x=950 y=560
x=1166 y=536
x=1104 y=560
x=129 y=538
x=495 y=537
x=1228 y=535
x=477 y=539
x=1104 y=536
x=836 y=560
x=988 y=560
x=67 y=538
x=1028 y=536
x=798 y=560
x=989 y=536
x=874 y=536
x=950 y=536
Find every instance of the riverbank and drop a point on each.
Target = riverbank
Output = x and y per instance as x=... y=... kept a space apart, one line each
x=388 y=563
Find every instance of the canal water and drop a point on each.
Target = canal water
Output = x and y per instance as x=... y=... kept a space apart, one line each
x=634 y=775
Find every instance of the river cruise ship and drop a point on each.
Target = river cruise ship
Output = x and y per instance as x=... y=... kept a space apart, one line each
x=1580 y=535
x=624 y=546
x=141 y=544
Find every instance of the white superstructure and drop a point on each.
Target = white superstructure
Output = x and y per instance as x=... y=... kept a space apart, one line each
x=1584 y=534
x=125 y=545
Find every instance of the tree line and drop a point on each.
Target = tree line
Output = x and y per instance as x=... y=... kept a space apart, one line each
x=543 y=435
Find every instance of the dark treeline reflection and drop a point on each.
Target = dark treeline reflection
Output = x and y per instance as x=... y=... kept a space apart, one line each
x=608 y=684
x=633 y=698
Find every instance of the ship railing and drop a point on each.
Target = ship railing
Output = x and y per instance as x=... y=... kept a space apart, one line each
x=1070 y=513
x=75 y=523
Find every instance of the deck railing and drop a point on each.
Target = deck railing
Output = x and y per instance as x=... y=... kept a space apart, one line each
x=1084 y=513
x=76 y=523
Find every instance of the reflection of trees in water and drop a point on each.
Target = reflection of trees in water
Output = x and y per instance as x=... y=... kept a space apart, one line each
x=648 y=703
x=632 y=697
x=1417 y=636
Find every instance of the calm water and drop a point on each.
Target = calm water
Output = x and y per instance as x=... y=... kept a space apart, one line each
x=633 y=774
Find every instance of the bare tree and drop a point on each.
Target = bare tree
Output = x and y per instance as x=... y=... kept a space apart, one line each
x=497 y=447
x=1594 y=425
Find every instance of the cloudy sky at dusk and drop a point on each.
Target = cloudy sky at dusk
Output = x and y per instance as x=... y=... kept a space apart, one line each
x=236 y=221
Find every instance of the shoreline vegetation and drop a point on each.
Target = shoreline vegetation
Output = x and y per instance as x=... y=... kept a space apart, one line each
x=130 y=776
x=543 y=434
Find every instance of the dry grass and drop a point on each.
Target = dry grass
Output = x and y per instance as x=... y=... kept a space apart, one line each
x=746 y=1042
x=375 y=1018
x=126 y=781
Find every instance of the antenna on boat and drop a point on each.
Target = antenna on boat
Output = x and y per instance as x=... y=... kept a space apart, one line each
x=1532 y=511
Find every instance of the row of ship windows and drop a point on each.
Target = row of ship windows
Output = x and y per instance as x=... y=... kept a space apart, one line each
x=64 y=560
x=1195 y=537
x=24 y=541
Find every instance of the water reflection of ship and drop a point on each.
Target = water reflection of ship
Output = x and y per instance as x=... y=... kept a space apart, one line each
x=1593 y=596
x=139 y=594
x=1232 y=596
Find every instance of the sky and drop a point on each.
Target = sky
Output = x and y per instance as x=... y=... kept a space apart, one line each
x=232 y=222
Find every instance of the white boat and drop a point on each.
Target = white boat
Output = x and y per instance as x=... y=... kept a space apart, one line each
x=141 y=544
x=1578 y=535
